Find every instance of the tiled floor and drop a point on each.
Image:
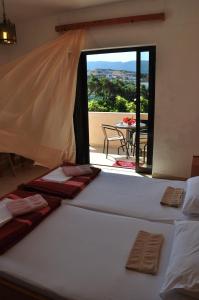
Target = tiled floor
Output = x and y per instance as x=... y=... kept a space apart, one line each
x=9 y=182
x=98 y=157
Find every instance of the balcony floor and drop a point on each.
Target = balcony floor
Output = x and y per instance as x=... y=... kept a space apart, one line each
x=98 y=157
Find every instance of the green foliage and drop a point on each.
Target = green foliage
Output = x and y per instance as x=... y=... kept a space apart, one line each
x=144 y=92
x=114 y=95
x=143 y=105
x=94 y=105
x=121 y=104
x=131 y=107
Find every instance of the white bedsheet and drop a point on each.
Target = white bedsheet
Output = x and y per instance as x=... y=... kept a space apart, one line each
x=133 y=196
x=78 y=254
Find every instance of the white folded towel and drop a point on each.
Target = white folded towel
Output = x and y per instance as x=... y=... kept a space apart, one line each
x=26 y=205
x=5 y=215
x=56 y=175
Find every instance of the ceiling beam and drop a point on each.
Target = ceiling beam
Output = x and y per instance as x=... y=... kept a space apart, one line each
x=114 y=21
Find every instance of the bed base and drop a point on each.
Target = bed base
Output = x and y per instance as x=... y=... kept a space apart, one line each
x=10 y=291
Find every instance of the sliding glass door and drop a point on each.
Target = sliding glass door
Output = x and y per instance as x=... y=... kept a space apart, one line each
x=145 y=86
x=116 y=84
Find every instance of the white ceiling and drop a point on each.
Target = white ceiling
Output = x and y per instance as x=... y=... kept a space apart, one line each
x=19 y=10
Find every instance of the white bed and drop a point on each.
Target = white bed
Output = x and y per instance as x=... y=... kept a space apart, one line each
x=133 y=196
x=79 y=254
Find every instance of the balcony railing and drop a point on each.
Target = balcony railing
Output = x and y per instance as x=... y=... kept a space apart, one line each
x=96 y=137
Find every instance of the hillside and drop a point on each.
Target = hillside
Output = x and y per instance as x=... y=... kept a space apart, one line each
x=125 y=66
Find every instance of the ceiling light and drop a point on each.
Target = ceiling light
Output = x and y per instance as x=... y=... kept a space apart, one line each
x=7 y=30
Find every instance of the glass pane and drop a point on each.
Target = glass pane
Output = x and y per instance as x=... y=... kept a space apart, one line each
x=111 y=81
x=144 y=109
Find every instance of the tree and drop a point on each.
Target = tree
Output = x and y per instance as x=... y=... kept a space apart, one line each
x=121 y=104
x=114 y=95
x=144 y=91
x=131 y=107
x=94 y=105
x=143 y=105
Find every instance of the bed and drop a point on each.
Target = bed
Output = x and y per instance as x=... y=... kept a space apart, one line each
x=79 y=254
x=134 y=196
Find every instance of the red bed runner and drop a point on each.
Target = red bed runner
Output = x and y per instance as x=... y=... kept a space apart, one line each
x=68 y=189
x=19 y=227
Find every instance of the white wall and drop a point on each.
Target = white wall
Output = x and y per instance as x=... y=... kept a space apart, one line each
x=176 y=108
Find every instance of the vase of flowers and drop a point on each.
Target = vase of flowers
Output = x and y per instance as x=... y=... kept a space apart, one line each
x=129 y=121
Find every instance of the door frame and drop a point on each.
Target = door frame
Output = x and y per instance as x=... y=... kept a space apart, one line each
x=84 y=95
x=151 y=109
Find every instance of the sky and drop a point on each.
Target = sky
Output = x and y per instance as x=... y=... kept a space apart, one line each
x=119 y=56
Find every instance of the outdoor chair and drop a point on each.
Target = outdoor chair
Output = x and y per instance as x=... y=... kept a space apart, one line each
x=143 y=142
x=111 y=134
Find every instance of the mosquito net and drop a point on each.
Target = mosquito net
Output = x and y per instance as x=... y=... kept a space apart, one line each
x=37 y=101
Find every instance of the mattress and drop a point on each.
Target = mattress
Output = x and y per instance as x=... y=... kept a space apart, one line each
x=79 y=254
x=133 y=196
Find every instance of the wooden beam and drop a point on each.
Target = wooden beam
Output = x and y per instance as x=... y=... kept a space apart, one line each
x=123 y=20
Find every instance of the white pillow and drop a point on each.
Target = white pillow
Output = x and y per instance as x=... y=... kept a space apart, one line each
x=191 y=201
x=182 y=274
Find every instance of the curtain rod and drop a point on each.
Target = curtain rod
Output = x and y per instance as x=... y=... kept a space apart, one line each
x=114 y=21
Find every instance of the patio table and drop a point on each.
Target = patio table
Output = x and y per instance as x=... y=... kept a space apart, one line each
x=130 y=129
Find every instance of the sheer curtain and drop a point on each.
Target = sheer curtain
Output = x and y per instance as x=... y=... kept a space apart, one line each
x=37 y=95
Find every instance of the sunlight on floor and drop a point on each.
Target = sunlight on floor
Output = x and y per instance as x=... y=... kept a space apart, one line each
x=98 y=157
x=9 y=182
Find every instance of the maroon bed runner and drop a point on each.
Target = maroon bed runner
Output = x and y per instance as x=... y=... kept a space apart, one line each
x=19 y=227
x=68 y=189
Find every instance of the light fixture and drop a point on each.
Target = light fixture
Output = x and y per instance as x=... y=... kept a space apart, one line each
x=7 y=30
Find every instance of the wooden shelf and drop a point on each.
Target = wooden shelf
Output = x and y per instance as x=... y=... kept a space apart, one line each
x=114 y=21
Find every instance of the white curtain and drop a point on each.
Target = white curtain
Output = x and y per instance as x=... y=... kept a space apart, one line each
x=37 y=94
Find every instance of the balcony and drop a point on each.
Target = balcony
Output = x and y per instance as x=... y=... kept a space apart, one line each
x=97 y=138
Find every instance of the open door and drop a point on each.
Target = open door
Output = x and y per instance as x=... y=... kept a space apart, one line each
x=140 y=81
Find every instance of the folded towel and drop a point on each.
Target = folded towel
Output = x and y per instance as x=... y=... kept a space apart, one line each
x=26 y=205
x=5 y=215
x=77 y=170
x=145 y=254
x=68 y=189
x=19 y=227
x=57 y=175
x=172 y=197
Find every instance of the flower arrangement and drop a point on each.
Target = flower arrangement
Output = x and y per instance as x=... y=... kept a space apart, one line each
x=129 y=121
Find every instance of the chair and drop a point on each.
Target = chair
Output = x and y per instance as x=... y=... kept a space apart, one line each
x=143 y=141
x=111 y=133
